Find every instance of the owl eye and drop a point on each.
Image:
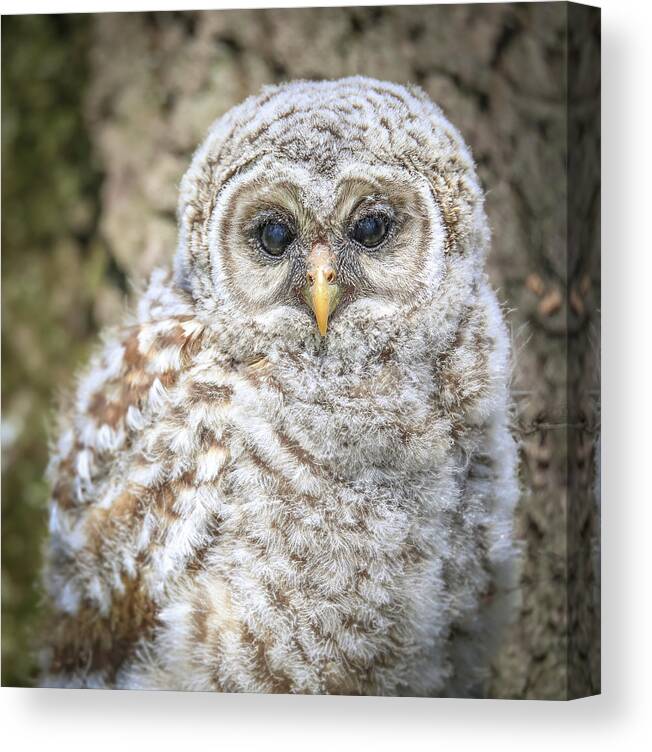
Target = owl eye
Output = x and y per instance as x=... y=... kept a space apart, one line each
x=275 y=237
x=370 y=230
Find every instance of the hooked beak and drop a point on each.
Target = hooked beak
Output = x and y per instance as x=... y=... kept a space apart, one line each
x=321 y=291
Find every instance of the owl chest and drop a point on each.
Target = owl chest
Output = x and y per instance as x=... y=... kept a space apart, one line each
x=315 y=472
x=332 y=581
x=322 y=543
x=345 y=425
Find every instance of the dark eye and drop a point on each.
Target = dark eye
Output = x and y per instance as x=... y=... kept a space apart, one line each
x=275 y=237
x=370 y=231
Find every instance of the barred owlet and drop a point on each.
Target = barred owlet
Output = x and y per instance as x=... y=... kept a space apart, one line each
x=291 y=470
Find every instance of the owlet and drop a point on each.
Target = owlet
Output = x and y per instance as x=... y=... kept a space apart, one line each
x=290 y=470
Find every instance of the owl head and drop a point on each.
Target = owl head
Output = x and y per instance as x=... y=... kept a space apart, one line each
x=330 y=213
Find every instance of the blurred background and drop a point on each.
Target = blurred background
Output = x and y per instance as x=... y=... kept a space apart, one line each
x=100 y=116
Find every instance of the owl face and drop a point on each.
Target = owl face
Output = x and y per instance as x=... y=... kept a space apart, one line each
x=326 y=207
x=287 y=235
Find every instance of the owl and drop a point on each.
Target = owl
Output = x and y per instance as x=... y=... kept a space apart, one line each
x=290 y=469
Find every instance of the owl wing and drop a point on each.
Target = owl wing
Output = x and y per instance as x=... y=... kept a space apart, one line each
x=99 y=604
x=473 y=380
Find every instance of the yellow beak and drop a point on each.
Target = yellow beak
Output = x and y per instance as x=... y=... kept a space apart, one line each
x=321 y=291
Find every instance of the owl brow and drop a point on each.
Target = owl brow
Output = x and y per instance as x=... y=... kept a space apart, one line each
x=374 y=201
x=348 y=187
x=265 y=213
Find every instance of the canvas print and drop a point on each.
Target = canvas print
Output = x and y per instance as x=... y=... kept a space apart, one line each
x=300 y=333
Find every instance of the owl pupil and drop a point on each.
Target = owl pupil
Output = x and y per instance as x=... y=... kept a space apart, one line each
x=370 y=230
x=275 y=237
